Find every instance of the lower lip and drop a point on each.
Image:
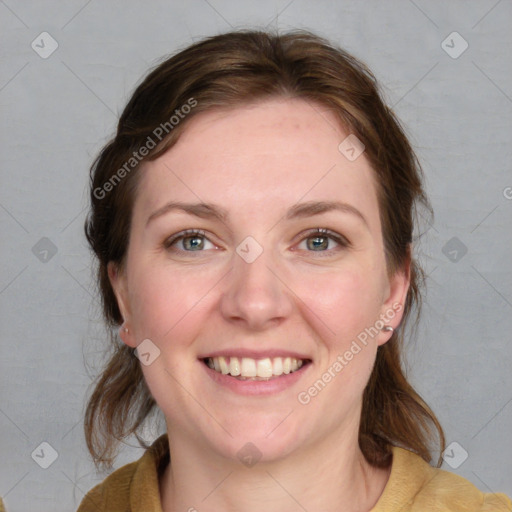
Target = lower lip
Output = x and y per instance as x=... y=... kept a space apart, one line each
x=256 y=387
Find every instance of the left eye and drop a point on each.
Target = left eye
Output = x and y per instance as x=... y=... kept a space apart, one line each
x=191 y=241
x=322 y=240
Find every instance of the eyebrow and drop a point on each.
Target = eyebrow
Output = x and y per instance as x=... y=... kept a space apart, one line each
x=301 y=210
x=311 y=208
x=202 y=210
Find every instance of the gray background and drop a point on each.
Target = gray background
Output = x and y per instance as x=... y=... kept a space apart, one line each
x=57 y=113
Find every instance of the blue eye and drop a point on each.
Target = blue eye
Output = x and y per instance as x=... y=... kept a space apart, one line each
x=322 y=240
x=191 y=240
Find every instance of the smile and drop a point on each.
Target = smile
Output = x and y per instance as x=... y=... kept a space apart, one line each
x=246 y=368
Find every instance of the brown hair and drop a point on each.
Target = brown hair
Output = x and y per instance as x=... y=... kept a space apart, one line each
x=226 y=71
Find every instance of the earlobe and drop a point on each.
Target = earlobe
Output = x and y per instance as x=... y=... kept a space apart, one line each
x=393 y=306
x=126 y=336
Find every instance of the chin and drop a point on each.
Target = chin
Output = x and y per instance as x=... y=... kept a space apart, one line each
x=264 y=439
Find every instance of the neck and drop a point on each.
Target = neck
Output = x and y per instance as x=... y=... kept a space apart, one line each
x=326 y=476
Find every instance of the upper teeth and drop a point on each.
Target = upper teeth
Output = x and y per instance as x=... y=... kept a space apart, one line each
x=247 y=367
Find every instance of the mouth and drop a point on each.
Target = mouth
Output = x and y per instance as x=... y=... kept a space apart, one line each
x=249 y=369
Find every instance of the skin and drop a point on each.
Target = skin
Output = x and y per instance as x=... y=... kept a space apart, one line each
x=257 y=162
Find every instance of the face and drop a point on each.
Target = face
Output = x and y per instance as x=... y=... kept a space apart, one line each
x=276 y=252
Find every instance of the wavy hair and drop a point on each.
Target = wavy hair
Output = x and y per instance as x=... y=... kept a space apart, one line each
x=226 y=71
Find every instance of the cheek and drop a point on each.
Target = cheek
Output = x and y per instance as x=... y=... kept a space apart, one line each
x=347 y=301
x=344 y=306
x=165 y=302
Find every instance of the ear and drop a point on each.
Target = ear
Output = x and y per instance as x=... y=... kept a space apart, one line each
x=117 y=279
x=393 y=306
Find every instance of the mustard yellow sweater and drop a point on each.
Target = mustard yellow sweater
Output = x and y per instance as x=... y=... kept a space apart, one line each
x=413 y=486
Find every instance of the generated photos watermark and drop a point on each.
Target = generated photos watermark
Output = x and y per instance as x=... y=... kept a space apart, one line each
x=157 y=135
x=343 y=360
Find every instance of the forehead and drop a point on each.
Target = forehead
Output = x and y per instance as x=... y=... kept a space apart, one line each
x=259 y=157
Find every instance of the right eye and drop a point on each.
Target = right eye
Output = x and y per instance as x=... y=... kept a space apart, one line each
x=191 y=240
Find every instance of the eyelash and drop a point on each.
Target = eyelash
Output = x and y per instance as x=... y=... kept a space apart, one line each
x=317 y=232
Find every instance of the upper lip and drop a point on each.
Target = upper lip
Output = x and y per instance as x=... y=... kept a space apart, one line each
x=255 y=354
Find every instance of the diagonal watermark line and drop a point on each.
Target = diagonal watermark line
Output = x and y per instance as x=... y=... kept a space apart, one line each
x=431 y=272
x=492 y=286
x=13 y=218
x=199 y=300
x=73 y=219
x=71 y=429
x=495 y=494
x=206 y=1
x=13 y=279
x=13 y=13
x=491 y=419
x=280 y=423
x=276 y=17
x=198 y=402
x=14 y=423
x=430 y=226
x=13 y=77
x=69 y=21
x=334 y=127
x=485 y=15
x=18 y=482
x=78 y=282
x=286 y=491
x=332 y=332
x=424 y=14
x=481 y=222
x=87 y=87
x=304 y=195
x=178 y=178
x=416 y=84
x=492 y=81
x=217 y=486
x=86 y=496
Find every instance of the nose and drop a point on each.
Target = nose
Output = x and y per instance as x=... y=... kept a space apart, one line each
x=256 y=296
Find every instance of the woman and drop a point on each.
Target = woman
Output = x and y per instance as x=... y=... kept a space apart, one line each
x=253 y=221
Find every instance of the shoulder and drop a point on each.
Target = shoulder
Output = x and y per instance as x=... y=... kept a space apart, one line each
x=131 y=487
x=416 y=486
